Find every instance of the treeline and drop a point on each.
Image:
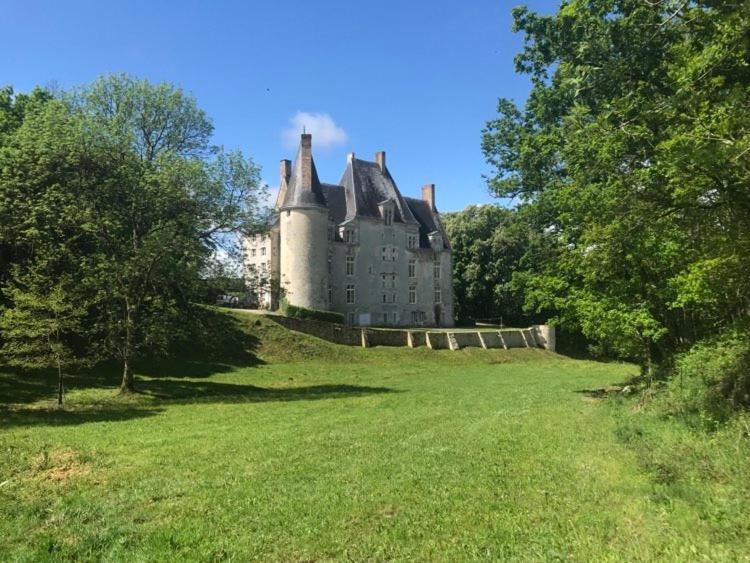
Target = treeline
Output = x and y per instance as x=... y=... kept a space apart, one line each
x=630 y=166
x=112 y=203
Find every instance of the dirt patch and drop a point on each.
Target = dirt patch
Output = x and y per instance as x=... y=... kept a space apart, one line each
x=59 y=466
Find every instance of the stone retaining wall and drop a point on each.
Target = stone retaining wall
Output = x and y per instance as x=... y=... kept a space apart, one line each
x=538 y=336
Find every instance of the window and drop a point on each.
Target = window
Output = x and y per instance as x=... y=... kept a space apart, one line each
x=436 y=270
x=385 y=318
x=263 y=251
x=393 y=297
x=388 y=216
x=252 y=252
x=331 y=233
x=412 y=294
x=438 y=295
x=350 y=294
x=350 y=317
x=411 y=241
x=330 y=295
x=383 y=252
x=412 y=268
x=393 y=254
x=385 y=298
x=348 y=235
x=350 y=265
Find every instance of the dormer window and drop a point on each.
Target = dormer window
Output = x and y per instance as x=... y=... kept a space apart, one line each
x=388 y=217
x=347 y=235
x=412 y=241
x=436 y=241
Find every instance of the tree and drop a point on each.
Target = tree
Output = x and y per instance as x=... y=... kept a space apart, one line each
x=632 y=156
x=487 y=244
x=40 y=329
x=168 y=201
x=121 y=174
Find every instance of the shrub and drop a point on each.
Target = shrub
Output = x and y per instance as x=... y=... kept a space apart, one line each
x=714 y=375
x=314 y=314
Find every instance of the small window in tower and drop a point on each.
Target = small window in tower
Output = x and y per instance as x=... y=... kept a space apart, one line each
x=436 y=269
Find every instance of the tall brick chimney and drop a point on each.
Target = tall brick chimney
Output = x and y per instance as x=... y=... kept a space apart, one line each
x=428 y=195
x=380 y=159
x=285 y=171
x=306 y=160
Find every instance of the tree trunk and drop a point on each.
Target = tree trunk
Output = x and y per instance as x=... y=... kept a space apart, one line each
x=128 y=378
x=59 y=385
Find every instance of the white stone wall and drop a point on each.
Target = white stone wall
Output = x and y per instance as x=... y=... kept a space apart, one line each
x=313 y=270
x=303 y=257
x=259 y=257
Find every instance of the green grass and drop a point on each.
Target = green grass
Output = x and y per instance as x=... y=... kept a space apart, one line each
x=311 y=451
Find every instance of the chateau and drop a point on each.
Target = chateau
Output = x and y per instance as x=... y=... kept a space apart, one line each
x=357 y=247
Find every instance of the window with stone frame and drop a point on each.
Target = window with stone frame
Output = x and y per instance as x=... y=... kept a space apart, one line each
x=350 y=265
x=436 y=269
x=412 y=294
x=388 y=216
x=350 y=295
x=413 y=268
x=438 y=295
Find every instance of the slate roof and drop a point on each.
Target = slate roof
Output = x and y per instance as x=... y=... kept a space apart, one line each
x=298 y=197
x=361 y=191
x=367 y=186
x=428 y=221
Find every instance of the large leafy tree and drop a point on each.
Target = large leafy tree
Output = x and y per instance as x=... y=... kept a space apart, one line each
x=633 y=155
x=487 y=245
x=123 y=175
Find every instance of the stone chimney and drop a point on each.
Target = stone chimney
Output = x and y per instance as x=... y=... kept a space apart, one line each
x=285 y=171
x=428 y=195
x=380 y=159
x=306 y=161
x=350 y=157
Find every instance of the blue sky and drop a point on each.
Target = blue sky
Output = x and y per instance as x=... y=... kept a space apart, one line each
x=417 y=79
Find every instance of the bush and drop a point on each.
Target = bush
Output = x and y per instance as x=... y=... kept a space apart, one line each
x=303 y=313
x=713 y=377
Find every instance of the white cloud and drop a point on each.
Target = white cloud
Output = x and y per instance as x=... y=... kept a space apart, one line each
x=325 y=133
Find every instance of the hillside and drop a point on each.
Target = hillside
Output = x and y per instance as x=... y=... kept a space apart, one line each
x=306 y=450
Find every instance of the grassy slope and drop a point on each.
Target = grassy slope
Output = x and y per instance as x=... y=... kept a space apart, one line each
x=324 y=452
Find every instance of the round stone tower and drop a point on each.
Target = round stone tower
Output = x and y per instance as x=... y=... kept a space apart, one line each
x=303 y=223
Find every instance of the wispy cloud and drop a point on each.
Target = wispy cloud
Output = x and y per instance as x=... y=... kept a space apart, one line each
x=326 y=134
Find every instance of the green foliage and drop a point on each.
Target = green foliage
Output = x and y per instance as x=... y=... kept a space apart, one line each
x=487 y=244
x=313 y=314
x=631 y=158
x=117 y=185
x=713 y=377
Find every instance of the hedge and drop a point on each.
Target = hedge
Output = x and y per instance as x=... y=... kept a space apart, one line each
x=303 y=313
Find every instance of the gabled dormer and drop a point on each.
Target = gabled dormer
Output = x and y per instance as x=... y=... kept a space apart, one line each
x=387 y=211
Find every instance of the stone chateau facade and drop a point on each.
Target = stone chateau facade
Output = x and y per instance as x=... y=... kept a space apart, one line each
x=357 y=247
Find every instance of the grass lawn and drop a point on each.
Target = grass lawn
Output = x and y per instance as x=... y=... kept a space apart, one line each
x=320 y=452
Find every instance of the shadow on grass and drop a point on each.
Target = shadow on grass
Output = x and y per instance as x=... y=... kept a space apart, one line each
x=22 y=417
x=213 y=392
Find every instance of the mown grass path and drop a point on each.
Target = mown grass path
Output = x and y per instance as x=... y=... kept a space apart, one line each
x=364 y=455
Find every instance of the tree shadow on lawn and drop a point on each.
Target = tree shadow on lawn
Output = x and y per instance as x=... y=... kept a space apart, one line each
x=50 y=416
x=182 y=391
